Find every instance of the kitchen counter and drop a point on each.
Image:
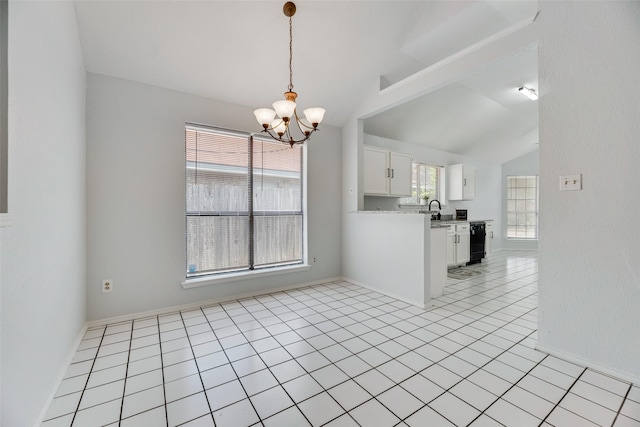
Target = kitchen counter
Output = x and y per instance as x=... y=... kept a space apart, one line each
x=388 y=212
x=445 y=223
x=390 y=252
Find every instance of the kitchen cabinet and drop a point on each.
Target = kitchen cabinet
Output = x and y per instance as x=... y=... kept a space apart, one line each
x=386 y=173
x=438 y=267
x=488 y=239
x=461 y=182
x=458 y=244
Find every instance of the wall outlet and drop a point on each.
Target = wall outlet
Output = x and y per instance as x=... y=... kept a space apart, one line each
x=571 y=182
x=107 y=286
x=314 y=260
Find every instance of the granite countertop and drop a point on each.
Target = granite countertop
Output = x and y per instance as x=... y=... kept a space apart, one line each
x=447 y=222
x=387 y=212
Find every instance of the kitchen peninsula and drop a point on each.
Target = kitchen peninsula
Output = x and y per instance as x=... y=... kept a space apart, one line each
x=398 y=254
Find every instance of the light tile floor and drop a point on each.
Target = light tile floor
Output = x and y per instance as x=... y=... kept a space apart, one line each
x=337 y=354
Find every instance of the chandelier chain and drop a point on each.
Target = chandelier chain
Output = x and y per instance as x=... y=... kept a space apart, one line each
x=290 y=55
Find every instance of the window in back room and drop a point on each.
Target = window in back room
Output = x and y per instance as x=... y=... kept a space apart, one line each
x=522 y=207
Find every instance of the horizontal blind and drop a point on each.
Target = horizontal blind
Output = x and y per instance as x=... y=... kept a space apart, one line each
x=277 y=202
x=217 y=229
x=244 y=201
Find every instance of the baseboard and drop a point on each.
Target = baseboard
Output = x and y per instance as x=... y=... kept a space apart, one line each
x=61 y=374
x=389 y=294
x=624 y=376
x=196 y=305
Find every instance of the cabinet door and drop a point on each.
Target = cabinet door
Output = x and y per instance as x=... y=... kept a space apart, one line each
x=463 y=248
x=488 y=239
x=400 y=182
x=468 y=182
x=376 y=171
x=461 y=182
x=451 y=249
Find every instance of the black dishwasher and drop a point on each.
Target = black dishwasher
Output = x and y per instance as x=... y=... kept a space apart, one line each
x=477 y=231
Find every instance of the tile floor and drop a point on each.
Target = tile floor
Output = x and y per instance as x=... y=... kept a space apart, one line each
x=337 y=354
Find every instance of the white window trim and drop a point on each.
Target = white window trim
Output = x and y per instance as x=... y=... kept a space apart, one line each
x=217 y=278
x=197 y=282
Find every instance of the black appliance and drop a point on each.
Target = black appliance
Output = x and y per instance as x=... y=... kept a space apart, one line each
x=477 y=231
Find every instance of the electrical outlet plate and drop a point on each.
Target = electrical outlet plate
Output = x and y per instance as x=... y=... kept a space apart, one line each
x=571 y=182
x=107 y=286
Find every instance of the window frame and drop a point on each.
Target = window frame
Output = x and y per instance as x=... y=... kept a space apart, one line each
x=201 y=278
x=513 y=190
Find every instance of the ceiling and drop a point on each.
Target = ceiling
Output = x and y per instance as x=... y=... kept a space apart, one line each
x=237 y=51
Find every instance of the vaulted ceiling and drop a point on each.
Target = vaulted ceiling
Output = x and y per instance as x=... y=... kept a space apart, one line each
x=237 y=51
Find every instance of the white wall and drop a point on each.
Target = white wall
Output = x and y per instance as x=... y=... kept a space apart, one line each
x=43 y=252
x=589 y=285
x=488 y=202
x=390 y=253
x=135 y=202
x=523 y=165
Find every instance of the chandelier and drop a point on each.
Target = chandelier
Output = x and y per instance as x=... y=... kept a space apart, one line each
x=284 y=126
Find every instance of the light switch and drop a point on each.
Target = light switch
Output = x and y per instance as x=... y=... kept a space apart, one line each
x=571 y=182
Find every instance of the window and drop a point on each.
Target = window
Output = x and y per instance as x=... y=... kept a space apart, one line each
x=244 y=202
x=522 y=207
x=425 y=182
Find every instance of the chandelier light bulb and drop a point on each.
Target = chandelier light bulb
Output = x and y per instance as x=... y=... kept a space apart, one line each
x=264 y=116
x=279 y=126
x=284 y=109
x=314 y=115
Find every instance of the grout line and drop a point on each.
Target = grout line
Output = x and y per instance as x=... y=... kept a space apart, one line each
x=230 y=364
x=563 y=396
x=126 y=373
x=195 y=360
x=164 y=385
x=88 y=376
x=626 y=396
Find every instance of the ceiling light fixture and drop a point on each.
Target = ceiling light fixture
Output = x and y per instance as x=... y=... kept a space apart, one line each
x=280 y=128
x=529 y=93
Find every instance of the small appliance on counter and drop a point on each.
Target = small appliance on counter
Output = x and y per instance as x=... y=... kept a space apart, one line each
x=461 y=214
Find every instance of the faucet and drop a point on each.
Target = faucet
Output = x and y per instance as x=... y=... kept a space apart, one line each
x=437 y=217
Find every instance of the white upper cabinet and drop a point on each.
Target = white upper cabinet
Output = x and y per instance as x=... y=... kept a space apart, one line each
x=386 y=173
x=461 y=182
x=400 y=182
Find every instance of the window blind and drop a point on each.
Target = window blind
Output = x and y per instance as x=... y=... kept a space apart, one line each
x=244 y=205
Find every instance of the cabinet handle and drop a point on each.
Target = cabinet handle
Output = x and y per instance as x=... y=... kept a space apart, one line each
x=492 y=234
x=393 y=172
x=388 y=172
x=465 y=182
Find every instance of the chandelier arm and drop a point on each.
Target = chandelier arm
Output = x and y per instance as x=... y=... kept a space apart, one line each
x=301 y=124
x=292 y=141
x=274 y=135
